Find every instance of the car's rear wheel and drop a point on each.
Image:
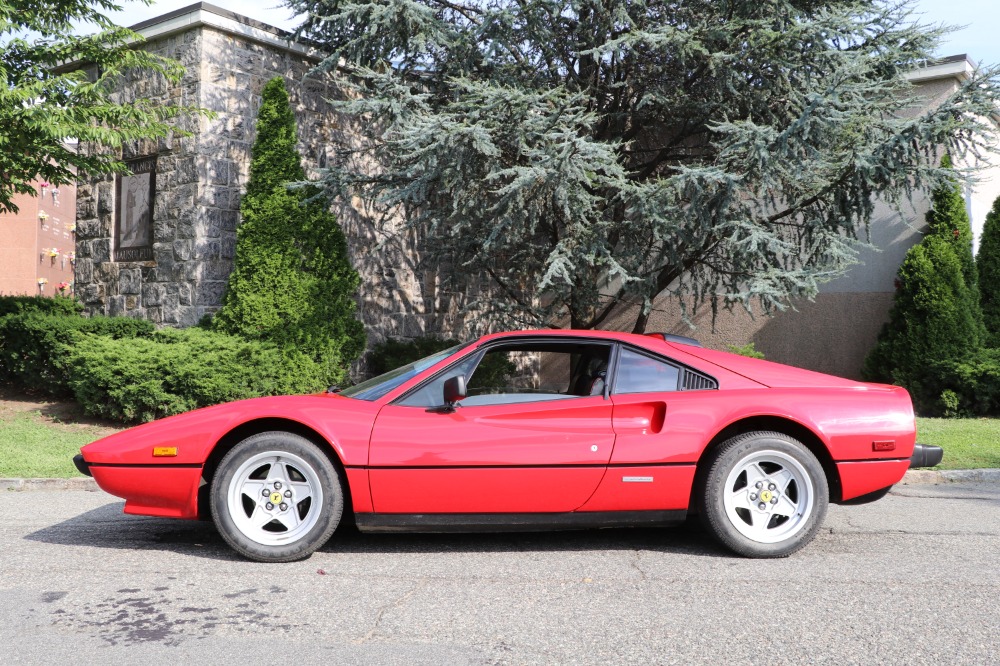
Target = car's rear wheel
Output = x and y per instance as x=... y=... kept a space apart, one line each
x=763 y=494
x=276 y=497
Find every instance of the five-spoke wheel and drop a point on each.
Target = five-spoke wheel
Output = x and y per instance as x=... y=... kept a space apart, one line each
x=763 y=494
x=276 y=497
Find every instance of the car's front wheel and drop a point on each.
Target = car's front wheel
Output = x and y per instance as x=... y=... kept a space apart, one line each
x=763 y=494
x=276 y=497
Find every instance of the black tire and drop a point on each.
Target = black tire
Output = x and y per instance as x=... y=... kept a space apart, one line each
x=302 y=507
x=794 y=494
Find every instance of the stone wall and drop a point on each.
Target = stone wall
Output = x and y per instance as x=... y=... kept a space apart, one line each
x=165 y=289
x=200 y=179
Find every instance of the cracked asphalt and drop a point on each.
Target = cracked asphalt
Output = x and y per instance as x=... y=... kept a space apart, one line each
x=911 y=579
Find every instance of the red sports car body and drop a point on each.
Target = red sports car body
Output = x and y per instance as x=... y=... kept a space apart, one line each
x=525 y=430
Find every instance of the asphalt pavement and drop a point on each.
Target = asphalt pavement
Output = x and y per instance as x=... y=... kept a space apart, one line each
x=911 y=579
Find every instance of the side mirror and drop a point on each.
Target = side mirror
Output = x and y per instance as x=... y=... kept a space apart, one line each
x=454 y=390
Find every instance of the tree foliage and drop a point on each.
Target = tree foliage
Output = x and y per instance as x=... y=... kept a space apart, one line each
x=584 y=153
x=58 y=86
x=292 y=282
x=988 y=264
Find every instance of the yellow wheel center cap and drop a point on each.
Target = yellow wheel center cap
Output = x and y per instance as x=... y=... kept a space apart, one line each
x=275 y=498
x=765 y=496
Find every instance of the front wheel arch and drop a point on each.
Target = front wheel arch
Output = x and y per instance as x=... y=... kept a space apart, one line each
x=257 y=426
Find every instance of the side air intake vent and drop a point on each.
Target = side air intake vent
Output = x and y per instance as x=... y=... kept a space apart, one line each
x=695 y=381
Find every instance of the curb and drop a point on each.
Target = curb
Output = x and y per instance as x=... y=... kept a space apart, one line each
x=930 y=476
x=913 y=477
x=82 y=483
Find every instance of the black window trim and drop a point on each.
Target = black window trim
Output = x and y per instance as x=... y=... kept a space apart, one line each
x=545 y=339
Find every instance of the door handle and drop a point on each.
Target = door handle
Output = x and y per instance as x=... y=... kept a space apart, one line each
x=646 y=417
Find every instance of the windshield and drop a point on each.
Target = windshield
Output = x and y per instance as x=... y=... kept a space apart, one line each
x=375 y=388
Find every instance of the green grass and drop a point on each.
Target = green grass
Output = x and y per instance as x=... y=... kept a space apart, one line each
x=967 y=443
x=34 y=447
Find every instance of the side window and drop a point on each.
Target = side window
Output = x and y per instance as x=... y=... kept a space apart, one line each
x=524 y=372
x=638 y=373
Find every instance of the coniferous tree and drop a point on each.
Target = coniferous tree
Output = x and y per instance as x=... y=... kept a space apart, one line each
x=988 y=264
x=292 y=281
x=935 y=313
x=949 y=219
x=929 y=320
x=583 y=154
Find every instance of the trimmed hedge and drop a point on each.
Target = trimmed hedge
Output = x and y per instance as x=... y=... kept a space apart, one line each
x=33 y=346
x=63 y=305
x=173 y=371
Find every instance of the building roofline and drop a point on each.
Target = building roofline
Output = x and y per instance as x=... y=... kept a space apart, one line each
x=959 y=67
x=207 y=14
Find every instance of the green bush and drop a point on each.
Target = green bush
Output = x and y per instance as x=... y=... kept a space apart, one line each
x=988 y=263
x=935 y=313
x=747 y=350
x=33 y=346
x=931 y=317
x=292 y=283
x=394 y=353
x=64 y=305
x=178 y=370
x=964 y=387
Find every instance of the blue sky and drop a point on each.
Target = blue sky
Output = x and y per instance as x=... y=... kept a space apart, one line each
x=978 y=38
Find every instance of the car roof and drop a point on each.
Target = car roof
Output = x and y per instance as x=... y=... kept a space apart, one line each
x=640 y=340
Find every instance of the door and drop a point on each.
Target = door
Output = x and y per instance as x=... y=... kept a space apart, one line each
x=528 y=438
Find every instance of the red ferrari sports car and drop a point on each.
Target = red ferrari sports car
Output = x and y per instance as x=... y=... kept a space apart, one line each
x=527 y=430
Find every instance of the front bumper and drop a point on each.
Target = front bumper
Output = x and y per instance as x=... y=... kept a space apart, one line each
x=925 y=455
x=82 y=465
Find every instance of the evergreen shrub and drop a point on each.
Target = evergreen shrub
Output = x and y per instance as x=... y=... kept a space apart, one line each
x=34 y=346
x=935 y=314
x=292 y=282
x=44 y=304
x=988 y=263
x=966 y=387
x=929 y=320
x=173 y=371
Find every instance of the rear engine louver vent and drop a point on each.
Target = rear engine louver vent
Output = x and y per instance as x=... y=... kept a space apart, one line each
x=694 y=381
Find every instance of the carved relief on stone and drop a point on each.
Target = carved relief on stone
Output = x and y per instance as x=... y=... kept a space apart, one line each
x=134 y=196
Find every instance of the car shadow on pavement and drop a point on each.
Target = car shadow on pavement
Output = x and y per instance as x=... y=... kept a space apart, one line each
x=108 y=527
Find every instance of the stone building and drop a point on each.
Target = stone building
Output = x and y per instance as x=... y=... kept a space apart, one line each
x=37 y=242
x=160 y=244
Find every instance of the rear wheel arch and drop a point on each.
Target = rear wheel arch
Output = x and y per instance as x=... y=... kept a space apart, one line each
x=777 y=424
x=250 y=428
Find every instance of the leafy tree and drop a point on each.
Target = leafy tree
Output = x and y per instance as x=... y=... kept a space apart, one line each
x=585 y=153
x=931 y=318
x=988 y=263
x=292 y=282
x=43 y=104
